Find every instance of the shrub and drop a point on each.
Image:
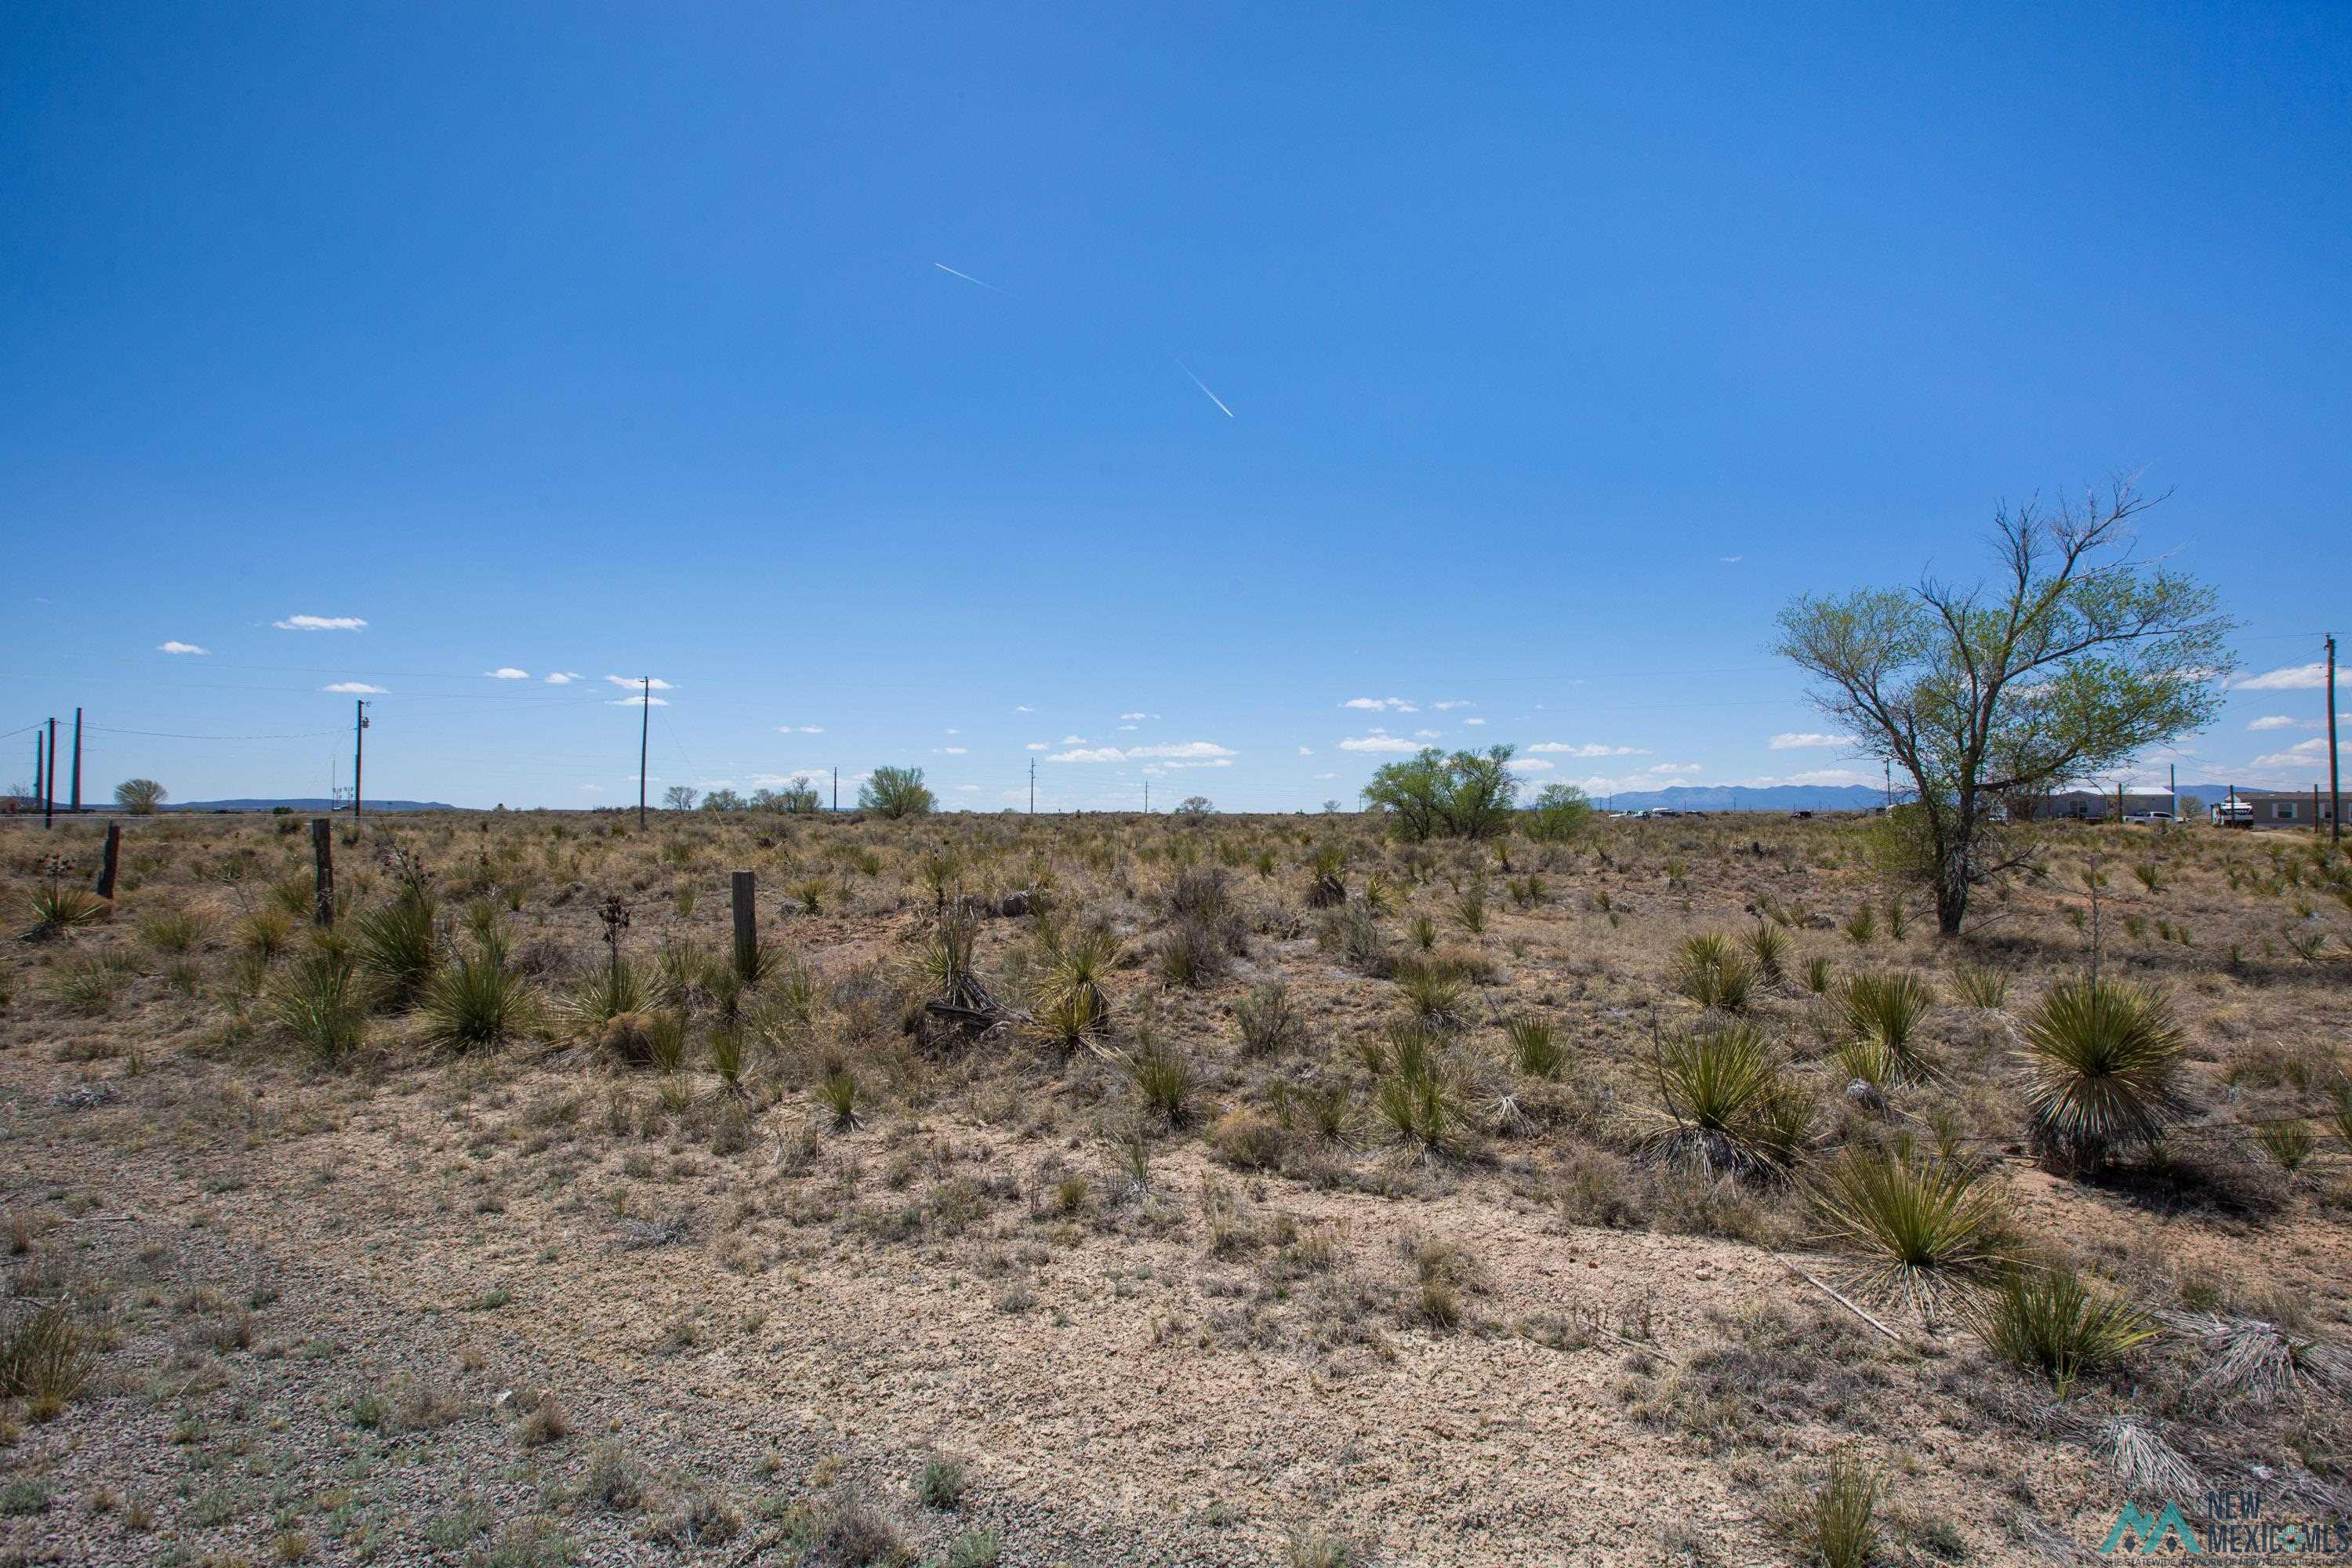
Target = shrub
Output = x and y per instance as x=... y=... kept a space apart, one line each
x=1730 y=1107
x=894 y=793
x=1925 y=1223
x=91 y=983
x=173 y=933
x=1559 y=814
x=398 y=945
x=45 y=1359
x=140 y=797
x=2043 y=1321
x=2290 y=1142
x=1192 y=953
x=1071 y=1007
x=59 y=906
x=1351 y=932
x=1423 y=1105
x=476 y=1004
x=1838 y=1526
x=1269 y=1020
x=941 y=1483
x=321 y=1003
x=1248 y=1140
x=1435 y=993
x=610 y=991
x=1768 y=949
x=2101 y=1060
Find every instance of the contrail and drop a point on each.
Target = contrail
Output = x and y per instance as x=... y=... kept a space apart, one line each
x=1204 y=390
x=966 y=276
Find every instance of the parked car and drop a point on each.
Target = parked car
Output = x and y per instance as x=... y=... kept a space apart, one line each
x=2149 y=816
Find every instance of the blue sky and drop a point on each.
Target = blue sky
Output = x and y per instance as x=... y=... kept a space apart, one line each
x=1505 y=367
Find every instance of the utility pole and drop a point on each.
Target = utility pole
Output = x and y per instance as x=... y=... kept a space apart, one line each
x=1147 y=797
x=1033 y=787
x=2175 y=791
x=645 y=737
x=836 y=787
x=50 y=786
x=75 y=806
x=1890 y=786
x=2334 y=796
x=40 y=761
x=359 y=750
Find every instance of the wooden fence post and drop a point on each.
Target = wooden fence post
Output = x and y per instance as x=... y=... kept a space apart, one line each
x=747 y=926
x=105 y=867
x=323 y=854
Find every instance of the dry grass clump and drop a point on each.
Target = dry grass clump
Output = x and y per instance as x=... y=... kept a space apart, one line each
x=1710 y=970
x=2045 y=1321
x=46 y=1359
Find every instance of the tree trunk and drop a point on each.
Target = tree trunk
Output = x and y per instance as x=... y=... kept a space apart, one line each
x=1952 y=878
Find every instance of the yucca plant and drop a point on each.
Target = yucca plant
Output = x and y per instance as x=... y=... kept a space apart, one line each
x=476 y=1004
x=1817 y=975
x=58 y=906
x=730 y=1055
x=2290 y=1143
x=2043 y=1321
x=609 y=992
x=1925 y=1223
x=1165 y=1081
x=1071 y=1007
x=1536 y=1049
x=295 y=896
x=1712 y=973
x=265 y=932
x=2102 y=1060
x=1768 y=949
x=837 y=1092
x=1470 y=909
x=321 y=1003
x=1423 y=932
x=1885 y=1010
x=398 y=945
x=1861 y=927
x=1435 y=993
x=1730 y=1108
x=1980 y=987
x=1423 y=1104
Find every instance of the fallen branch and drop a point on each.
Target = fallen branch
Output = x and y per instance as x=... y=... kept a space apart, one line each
x=1841 y=1300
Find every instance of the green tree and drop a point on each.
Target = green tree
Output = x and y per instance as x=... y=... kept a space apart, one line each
x=894 y=793
x=1195 y=805
x=1559 y=814
x=678 y=797
x=2074 y=659
x=722 y=800
x=1468 y=795
x=140 y=796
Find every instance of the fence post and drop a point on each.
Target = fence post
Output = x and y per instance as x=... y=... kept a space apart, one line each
x=106 y=866
x=746 y=927
x=322 y=855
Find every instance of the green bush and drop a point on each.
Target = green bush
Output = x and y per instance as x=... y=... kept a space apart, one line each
x=1467 y=796
x=2044 y=1321
x=476 y=1004
x=1925 y=1223
x=321 y=1003
x=894 y=793
x=1730 y=1108
x=398 y=945
x=2102 y=1060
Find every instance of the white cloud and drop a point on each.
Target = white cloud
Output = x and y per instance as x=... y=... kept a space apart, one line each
x=594 y=788
x=637 y=682
x=1732 y=560
x=1378 y=741
x=640 y=700
x=2312 y=677
x=508 y=672
x=1135 y=715
x=800 y=729
x=176 y=647
x=1808 y=740
x=1452 y=703
x=967 y=789
x=1327 y=775
x=1588 y=749
x=354 y=688
x=1041 y=745
x=2302 y=754
x=2278 y=721
x=1529 y=765
x=565 y=678
x=1074 y=740
x=1024 y=708
x=951 y=751
x=1305 y=751
x=1378 y=704
x=1473 y=720
x=320 y=624
x=1193 y=754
